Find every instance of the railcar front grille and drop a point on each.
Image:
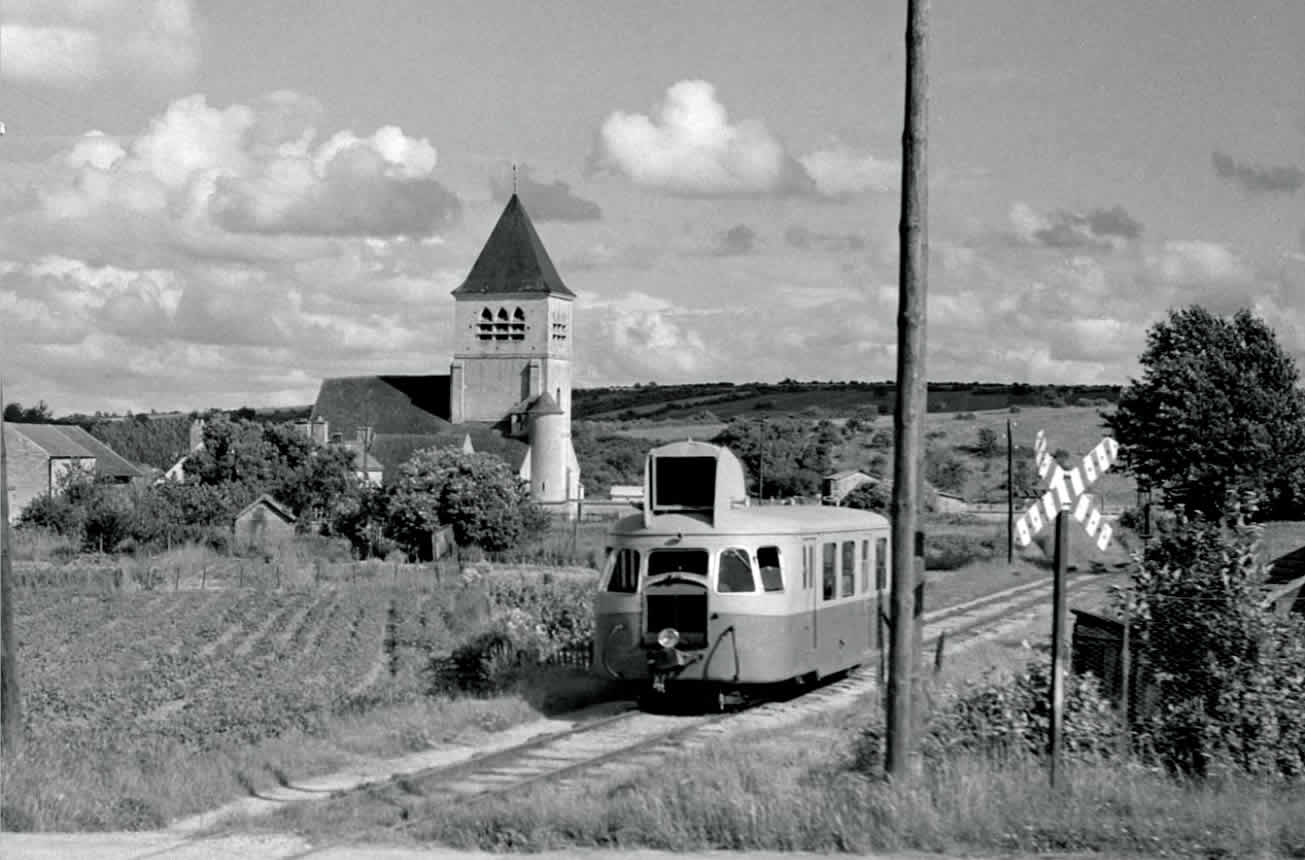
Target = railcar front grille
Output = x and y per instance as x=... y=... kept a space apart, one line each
x=687 y=613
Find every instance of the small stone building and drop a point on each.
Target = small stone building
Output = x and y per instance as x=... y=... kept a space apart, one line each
x=833 y=488
x=263 y=524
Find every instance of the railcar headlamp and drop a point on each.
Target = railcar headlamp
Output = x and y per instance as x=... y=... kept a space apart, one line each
x=668 y=638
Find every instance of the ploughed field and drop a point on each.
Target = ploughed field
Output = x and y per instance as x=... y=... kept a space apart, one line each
x=212 y=667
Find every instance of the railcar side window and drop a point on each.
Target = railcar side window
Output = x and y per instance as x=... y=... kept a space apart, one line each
x=865 y=566
x=768 y=561
x=677 y=561
x=849 y=568
x=881 y=564
x=624 y=578
x=735 y=571
x=830 y=582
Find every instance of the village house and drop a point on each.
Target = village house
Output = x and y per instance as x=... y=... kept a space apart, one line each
x=834 y=488
x=42 y=456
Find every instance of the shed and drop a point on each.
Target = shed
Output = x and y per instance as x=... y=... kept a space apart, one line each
x=263 y=524
x=1097 y=647
x=833 y=488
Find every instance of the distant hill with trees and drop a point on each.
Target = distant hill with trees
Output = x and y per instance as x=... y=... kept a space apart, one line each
x=726 y=400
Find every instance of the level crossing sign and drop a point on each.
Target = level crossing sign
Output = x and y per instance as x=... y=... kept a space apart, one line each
x=1068 y=489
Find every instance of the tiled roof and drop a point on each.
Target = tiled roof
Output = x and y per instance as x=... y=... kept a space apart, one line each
x=513 y=260
x=281 y=510
x=51 y=439
x=388 y=404
x=108 y=463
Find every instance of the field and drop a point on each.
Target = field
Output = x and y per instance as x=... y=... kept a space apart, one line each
x=127 y=691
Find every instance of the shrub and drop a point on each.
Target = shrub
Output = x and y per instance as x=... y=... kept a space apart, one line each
x=1009 y=716
x=953 y=551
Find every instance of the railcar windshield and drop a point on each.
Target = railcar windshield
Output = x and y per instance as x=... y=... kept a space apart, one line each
x=623 y=571
x=677 y=561
x=735 y=571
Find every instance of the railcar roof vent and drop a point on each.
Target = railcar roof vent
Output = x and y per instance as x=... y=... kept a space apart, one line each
x=692 y=478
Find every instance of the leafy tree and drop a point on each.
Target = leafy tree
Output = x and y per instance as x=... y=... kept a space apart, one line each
x=875 y=496
x=1227 y=671
x=781 y=457
x=945 y=470
x=478 y=494
x=16 y=414
x=1217 y=410
x=253 y=458
x=987 y=446
x=608 y=459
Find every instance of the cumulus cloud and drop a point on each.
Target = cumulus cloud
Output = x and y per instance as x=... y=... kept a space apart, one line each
x=1198 y=263
x=1096 y=228
x=1258 y=179
x=545 y=201
x=75 y=43
x=736 y=241
x=841 y=171
x=255 y=169
x=693 y=148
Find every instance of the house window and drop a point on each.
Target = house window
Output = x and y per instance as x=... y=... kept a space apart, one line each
x=849 y=568
x=518 y=330
x=485 y=326
x=768 y=561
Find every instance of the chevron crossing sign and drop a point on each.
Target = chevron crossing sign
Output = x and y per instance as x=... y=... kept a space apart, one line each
x=1068 y=488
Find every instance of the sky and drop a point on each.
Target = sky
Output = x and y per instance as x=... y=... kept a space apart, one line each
x=214 y=204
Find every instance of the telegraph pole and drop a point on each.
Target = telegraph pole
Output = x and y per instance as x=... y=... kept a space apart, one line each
x=11 y=713
x=912 y=393
x=1010 y=495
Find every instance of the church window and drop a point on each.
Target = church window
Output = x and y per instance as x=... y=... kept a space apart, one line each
x=559 y=327
x=501 y=325
x=485 y=328
x=518 y=324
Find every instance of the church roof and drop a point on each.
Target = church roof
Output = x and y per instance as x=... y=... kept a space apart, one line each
x=387 y=404
x=544 y=405
x=513 y=260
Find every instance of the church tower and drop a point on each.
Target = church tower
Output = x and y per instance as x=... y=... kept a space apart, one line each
x=513 y=330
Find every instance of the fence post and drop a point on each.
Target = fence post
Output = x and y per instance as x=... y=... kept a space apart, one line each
x=203 y=577
x=938 y=652
x=1059 y=651
x=242 y=575
x=278 y=575
x=176 y=582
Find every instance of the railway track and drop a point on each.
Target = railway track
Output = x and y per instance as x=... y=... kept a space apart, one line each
x=634 y=740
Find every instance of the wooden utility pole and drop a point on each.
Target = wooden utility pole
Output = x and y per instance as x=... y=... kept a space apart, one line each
x=11 y=709
x=912 y=394
x=1059 y=647
x=1010 y=496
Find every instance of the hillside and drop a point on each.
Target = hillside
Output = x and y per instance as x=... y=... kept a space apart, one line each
x=725 y=400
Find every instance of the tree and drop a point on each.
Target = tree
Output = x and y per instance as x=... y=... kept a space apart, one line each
x=1217 y=411
x=988 y=446
x=16 y=414
x=478 y=494
x=781 y=457
x=1226 y=670
x=252 y=458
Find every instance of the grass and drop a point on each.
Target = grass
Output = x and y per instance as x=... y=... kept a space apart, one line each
x=131 y=783
x=796 y=789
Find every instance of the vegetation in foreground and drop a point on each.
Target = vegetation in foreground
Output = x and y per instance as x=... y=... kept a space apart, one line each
x=145 y=705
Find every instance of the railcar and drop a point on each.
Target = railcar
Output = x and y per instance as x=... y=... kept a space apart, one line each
x=705 y=595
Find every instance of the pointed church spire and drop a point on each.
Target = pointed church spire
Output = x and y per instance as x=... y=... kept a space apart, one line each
x=513 y=260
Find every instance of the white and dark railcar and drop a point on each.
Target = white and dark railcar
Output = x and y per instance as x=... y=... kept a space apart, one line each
x=705 y=594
